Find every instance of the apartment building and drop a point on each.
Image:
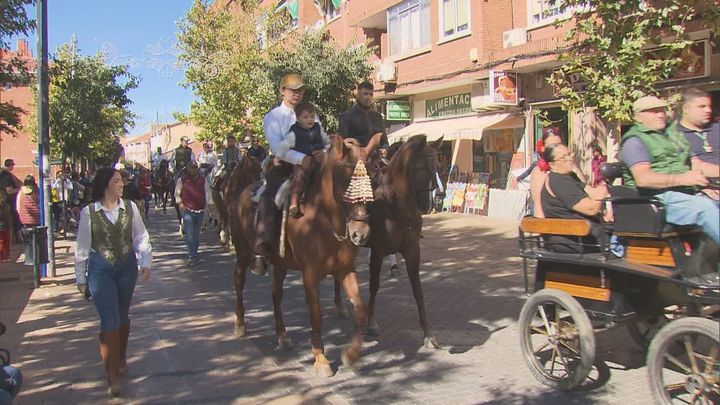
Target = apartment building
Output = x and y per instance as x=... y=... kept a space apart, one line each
x=20 y=147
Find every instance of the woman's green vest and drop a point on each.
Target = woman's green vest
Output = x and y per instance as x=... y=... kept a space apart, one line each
x=669 y=150
x=112 y=241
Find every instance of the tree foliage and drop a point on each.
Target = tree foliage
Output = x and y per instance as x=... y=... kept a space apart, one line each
x=89 y=105
x=330 y=71
x=235 y=76
x=13 y=71
x=609 y=52
x=225 y=69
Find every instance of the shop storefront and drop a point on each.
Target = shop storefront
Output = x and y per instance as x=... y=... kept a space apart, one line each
x=479 y=148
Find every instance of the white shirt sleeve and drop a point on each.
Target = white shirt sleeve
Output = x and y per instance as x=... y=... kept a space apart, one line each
x=140 y=239
x=208 y=195
x=275 y=134
x=178 y=192
x=82 y=246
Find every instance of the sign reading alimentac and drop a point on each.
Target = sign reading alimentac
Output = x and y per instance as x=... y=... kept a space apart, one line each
x=448 y=106
x=396 y=110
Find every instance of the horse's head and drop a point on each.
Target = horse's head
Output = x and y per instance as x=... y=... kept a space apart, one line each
x=418 y=163
x=345 y=154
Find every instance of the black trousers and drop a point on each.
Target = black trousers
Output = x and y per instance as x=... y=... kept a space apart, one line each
x=267 y=226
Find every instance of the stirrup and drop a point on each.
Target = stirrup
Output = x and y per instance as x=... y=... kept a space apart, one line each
x=295 y=211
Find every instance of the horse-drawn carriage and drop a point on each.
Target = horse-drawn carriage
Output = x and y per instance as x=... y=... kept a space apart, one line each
x=663 y=285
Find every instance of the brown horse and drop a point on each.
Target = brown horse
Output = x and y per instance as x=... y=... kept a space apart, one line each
x=396 y=221
x=246 y=172
x=322 y=242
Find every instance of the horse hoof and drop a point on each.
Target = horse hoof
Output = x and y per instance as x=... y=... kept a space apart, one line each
x=323 y=370
x=240 y=331
x=348 y=360
x=373 y=328
x=431 y=343
x=342 y=312
x=285 y=343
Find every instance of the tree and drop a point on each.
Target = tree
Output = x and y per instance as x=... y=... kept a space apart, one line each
x=234 y=68
x=89 y=105
x=609 y=50
x=330 y=71
x=225 y=69
x=13 y=71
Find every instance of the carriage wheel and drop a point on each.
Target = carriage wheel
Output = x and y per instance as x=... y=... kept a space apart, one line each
x=683 y=362
x=557 y=339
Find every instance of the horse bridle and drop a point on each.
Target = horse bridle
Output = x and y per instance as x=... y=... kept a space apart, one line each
x=349 y=218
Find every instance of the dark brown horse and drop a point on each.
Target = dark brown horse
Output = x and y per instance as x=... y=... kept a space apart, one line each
x=162 y=186
x=246 y=172
x=323 y=242
x=396 y=221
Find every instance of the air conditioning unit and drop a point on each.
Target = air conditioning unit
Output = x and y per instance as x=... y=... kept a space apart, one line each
x=385 y=71
x=480 y=99
x=514 y=37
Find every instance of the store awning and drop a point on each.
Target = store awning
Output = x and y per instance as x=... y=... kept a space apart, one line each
x=458 y=128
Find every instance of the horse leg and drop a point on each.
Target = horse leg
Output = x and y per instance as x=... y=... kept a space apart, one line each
x=351 y=354
x=342 y=312
x=278 y=279
x=242 y=261
x=412 y=263
x=312 y=298
x=376 y=260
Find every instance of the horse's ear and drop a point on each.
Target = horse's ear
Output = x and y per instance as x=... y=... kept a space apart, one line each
x=437 y=144
x=336 y=143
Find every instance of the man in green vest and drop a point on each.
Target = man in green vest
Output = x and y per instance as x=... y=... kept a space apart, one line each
x=656 y=160
x=181 y=157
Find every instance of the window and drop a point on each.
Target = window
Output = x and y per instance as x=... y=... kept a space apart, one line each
x=332 y=9
x=545 y=11
x=454 y=17
x=409 y=26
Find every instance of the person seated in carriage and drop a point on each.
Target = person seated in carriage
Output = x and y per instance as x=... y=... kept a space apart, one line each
x=656 y=162
x=307 y=137
x=563 y=195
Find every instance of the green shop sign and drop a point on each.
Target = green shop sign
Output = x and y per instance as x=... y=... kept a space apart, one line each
x=397 y=110
x=448 y=106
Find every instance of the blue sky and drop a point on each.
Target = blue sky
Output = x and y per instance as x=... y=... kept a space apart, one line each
x=138 y=33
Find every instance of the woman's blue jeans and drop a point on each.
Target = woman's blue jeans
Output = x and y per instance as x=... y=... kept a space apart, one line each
x=112 y=287
x=192 y=221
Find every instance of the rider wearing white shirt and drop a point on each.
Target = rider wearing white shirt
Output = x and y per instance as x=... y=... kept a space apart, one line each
x=276 y=125
x=156 y=158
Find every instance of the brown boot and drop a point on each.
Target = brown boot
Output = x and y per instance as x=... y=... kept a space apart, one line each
x=110 y=353
x=294 y=209
x=124 y=335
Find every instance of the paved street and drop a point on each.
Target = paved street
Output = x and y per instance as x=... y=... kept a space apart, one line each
x=183 y=350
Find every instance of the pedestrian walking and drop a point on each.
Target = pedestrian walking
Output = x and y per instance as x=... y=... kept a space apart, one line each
x=28 y=209
x=11 y=185
x=191 y=194
x=112 y=242
x=5 y=228
x=598 y=160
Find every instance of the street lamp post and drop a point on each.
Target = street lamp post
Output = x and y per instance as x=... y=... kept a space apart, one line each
x=44 y=133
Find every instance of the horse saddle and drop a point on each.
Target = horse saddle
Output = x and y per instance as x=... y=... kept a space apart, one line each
x=281 y=197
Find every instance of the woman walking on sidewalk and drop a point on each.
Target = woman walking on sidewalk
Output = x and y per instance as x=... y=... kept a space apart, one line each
x=110 y=235
x=28 y=210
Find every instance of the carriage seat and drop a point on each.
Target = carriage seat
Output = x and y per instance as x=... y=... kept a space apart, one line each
x=638 y=215
x=543 y=230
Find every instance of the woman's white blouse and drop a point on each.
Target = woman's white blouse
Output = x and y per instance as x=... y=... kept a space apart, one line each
x=140 y=238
